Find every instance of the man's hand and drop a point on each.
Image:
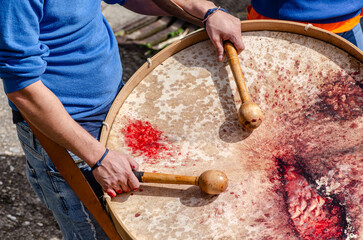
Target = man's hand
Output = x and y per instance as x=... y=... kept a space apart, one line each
x=115 y=173
x=44 y=110
x=221 y=27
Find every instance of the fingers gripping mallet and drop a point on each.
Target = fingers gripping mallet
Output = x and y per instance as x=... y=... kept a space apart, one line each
x=210 y=182
x=249 y=114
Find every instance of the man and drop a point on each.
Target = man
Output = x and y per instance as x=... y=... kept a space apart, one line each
x=61 y=70
x=339 y=16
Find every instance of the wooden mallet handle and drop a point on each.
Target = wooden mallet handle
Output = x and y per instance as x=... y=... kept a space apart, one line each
x=210 y=182
x=236 y=69
x=249 y=114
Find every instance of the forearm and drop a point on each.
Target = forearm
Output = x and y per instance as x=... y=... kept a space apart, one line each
x=195 y=8
x=150 y=7
x=43 y=109
x=145 y=7
x=220 y=25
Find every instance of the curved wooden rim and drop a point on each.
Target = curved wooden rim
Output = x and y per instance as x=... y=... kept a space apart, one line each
x=247 y=26
x=303 y=29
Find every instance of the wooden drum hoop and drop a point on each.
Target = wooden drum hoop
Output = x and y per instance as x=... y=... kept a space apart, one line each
x=273 y=112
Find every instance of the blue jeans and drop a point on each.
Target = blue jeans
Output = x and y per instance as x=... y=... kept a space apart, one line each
x=354 y=36
x=73 y=218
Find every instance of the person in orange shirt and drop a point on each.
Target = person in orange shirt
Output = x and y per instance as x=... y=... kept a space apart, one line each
x=337 y=16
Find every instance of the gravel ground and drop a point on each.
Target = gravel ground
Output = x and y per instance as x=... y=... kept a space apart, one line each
x=22 y=216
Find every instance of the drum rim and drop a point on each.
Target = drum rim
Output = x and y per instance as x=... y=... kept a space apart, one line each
x=199 y=36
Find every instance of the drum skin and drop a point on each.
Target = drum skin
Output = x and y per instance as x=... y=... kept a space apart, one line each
x=304 y=162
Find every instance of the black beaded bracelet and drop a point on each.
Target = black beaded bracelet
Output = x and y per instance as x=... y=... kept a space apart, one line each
x=98 y=163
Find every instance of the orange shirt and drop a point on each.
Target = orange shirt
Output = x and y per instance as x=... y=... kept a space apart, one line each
x=337 y=27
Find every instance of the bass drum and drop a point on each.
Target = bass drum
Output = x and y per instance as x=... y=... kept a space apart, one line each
x=297 y=176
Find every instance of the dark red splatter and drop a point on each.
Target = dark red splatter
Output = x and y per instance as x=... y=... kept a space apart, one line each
x=144 y=139
x=341 y=99
x=137 y=214
x=309 y=150
x=313 y=216
x=297 y=63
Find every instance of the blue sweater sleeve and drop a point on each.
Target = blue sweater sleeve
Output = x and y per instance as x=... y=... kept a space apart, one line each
x=21 y=52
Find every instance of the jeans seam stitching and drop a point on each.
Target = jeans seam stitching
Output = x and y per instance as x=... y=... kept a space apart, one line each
x=32 y=151
x=38 y=184
x=57 y=191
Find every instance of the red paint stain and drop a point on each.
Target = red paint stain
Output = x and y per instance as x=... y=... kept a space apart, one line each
x=313 y=216
x=339 y=100
x=144 y=139
x=308 y=150
x=260 y=220
x=218 y=211
x=297 y=63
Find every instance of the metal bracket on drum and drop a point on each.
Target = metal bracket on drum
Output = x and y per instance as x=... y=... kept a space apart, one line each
x=106 y=125
x=149 y=62
x=307 y=26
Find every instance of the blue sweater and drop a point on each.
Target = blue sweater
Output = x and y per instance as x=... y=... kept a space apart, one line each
x=313 y=11
x=69 y=46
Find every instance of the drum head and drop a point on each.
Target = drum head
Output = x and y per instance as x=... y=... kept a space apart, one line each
x=299 y=175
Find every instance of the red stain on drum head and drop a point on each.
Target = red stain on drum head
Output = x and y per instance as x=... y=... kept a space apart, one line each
x=313 y=216
x=317 y=153
x=341 y=99
x=144 y=139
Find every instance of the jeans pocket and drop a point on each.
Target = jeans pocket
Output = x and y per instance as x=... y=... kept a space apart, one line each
x=28 y=150
x=72 y=207
x=28 y=142
x=60 y=188
x=34 y=183
x=49 y=185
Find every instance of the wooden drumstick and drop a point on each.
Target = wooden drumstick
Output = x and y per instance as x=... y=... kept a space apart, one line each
x=210 y=182
x=249 y=114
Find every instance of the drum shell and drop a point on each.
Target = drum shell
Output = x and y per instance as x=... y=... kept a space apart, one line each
x=286 y=68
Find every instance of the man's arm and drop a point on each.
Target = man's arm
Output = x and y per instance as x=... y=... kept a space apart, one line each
x=145 y=7
x=220 y=26
x=44 y=110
